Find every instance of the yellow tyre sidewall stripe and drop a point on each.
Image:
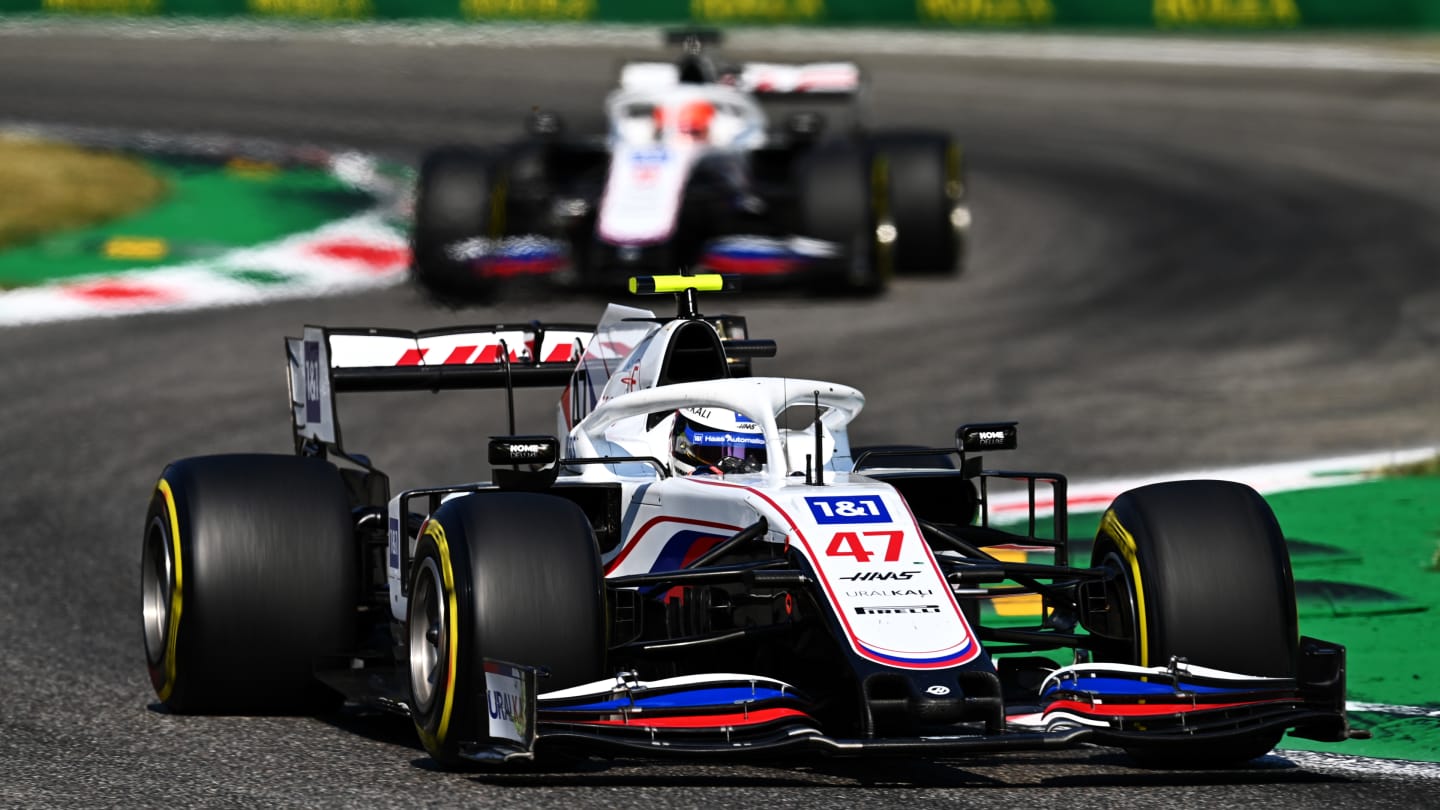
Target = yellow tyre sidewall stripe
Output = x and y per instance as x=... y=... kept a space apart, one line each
x=954 y=182
x=176 y=593
x=434 y=741
x=1110 y=527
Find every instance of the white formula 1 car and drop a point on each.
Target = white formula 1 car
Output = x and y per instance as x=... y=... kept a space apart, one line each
x=697 y=562
x=692 y=172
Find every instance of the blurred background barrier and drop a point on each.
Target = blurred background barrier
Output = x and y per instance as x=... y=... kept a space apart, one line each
x=1209 y=15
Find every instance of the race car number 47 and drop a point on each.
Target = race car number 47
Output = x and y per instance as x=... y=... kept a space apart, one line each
x=849 y=544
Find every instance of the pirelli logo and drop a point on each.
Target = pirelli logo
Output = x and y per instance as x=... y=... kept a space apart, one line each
x=888 y=609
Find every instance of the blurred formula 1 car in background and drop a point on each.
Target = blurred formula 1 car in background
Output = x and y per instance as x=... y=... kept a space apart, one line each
x=697 y=562
x=692 y=172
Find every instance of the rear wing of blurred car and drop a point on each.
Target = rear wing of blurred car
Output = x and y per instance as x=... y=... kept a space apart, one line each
x=328 y=361
x=812 y=80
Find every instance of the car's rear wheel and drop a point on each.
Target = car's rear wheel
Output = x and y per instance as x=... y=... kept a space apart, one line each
x=1207 y=577
x=842 y=199
x=248 y=577
x=926 y=202
x=512 y=577
x=460 y=196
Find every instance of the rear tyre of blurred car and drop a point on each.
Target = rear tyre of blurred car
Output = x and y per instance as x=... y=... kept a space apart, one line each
x=513 y=577
x=248 y=578
x=842 y=199
x=926 y=202
x=1207 y=577
x=459 y=197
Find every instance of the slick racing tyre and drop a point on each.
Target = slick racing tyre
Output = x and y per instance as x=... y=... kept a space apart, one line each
x=926 y=195
x=248 y=576
x=842 y=199
x=1207 y=578
x=460 y=196
x=512 y=577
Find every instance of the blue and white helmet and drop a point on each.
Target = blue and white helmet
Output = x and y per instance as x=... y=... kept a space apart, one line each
x=716 y=440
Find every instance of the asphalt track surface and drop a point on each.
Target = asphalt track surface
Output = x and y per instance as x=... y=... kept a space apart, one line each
x=1172 y=268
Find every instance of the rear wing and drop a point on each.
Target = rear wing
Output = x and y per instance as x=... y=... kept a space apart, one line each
x=813 y=80
x=328 y=361
x=840 y=80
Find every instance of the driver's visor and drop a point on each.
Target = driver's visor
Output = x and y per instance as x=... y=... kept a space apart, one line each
x=710 y=446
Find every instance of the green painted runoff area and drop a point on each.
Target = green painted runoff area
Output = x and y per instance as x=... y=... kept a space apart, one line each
x=211 y=207
x=971 y=14
x=1366 y=559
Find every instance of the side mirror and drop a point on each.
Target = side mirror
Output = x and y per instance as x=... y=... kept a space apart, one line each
x=535 y=451
x=538 y=454
x=978 y=437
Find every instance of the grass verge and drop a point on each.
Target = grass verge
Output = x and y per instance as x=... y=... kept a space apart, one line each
x=48 y=187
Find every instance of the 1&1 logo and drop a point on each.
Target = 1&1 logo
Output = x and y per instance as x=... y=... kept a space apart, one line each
x=312 y=381
x=848 y=509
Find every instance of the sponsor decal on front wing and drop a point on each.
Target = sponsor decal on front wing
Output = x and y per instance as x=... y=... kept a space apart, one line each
x=505 y=702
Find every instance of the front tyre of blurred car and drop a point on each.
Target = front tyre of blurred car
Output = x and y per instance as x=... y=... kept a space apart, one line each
x=460 y=196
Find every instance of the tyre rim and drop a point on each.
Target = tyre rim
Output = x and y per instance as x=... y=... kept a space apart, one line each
x=1132 y=611
x=157 y=583
x=428 y=636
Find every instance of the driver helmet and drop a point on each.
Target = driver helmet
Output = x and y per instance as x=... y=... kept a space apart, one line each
x=692 y=118
x=717 y=441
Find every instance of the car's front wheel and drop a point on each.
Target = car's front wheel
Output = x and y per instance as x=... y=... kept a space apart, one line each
x=1206 y=575
x=511 y=577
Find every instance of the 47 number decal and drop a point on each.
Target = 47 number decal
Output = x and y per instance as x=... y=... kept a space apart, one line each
x=849 y=544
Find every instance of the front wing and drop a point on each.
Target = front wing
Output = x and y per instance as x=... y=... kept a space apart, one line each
x=729 y=713
x=763 y=261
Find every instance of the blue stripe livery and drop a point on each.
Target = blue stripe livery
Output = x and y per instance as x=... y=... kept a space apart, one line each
x=726 y=697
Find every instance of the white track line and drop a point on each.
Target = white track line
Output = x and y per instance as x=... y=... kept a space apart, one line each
x=1365 y=766
x=1387 y=708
